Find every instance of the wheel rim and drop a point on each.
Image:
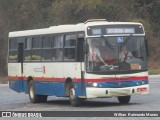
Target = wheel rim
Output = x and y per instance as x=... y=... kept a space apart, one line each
x=72 y=93
x=31 y=92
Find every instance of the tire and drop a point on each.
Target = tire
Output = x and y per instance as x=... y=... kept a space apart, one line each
x=43 y=98
x=124 y=99
x=74 y=101
x=34 y=98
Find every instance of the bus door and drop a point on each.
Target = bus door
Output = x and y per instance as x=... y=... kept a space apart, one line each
x=80 y=58
x=20 y=61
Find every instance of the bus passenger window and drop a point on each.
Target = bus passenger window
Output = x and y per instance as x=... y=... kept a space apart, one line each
x=57 y=52
x=46 y=54
x=46 y=48
x=70 y=40
x=36 y=55
x=12 y=55
x=27 y=55
x=58 y=55
x=36 y=48
x=27 y=51
x=12 y=50
x=69 y=54
x=70 y=48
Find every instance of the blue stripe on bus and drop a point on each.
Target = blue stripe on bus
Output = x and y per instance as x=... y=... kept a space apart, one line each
x=16 y=85
x=58 y=88
x=50 y=88
x=46 y=88
x=119 y=84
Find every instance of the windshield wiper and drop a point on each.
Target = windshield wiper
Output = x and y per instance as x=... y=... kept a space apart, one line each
x=127 y=39
x=107 y=42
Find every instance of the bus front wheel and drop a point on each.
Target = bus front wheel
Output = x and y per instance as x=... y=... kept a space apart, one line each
x=124 y=99
x=34 y=98
x=74 y=101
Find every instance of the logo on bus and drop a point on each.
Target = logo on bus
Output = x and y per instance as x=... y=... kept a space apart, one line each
x=40 y=69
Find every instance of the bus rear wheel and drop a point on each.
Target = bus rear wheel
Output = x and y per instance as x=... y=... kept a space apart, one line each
x=124 y=99
x=34 y=98
x=74 y=101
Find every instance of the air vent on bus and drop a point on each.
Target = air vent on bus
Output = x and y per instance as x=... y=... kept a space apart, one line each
x=95 y=20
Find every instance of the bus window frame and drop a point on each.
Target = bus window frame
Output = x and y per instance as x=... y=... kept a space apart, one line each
x=31 y=48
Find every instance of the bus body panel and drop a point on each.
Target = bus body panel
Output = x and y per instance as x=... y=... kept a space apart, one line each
x=49 y=77
x=105 y=85
x=115 y=92
x=50 y=88
x=15 y=77
x=16 y=85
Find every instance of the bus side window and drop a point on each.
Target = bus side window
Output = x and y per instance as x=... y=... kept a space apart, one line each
x=13 y=50
x=27 y=51
x=36 y=48
x=57 y=52
x=46 y=48
x=70 y=48
x=69 y=54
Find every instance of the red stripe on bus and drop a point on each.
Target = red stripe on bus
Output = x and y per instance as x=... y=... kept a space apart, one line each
x=116 y=79
x=79 y=80
x=37 y=78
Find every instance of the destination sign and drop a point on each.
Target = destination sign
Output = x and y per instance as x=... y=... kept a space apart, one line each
x=96 y=31
x=119 y=30
x=114 y=29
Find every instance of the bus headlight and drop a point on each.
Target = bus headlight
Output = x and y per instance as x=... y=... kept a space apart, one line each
x=95 y=84
x=143 y=82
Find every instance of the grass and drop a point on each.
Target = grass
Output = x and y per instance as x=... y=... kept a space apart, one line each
x=154 y=72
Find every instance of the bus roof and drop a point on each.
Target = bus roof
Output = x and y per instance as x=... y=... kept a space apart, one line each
x=67 y=28
x=51 y=30
x=111 y=23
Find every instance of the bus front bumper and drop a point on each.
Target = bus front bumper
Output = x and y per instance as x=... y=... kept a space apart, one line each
x=93 y=92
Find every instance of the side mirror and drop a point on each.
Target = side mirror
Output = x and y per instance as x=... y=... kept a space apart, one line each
x=80 y=50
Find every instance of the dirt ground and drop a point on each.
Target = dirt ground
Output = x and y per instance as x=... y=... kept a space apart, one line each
x=3 y=80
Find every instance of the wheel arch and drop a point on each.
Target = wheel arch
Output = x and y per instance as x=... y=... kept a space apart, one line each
x=68 y=83
x=29 y=79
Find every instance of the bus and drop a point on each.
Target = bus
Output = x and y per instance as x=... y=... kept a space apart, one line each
x=58 y=61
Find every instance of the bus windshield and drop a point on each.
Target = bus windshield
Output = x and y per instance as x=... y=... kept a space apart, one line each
x=120 y=53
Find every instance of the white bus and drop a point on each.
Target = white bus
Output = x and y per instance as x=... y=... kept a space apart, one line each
x=60 y=61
